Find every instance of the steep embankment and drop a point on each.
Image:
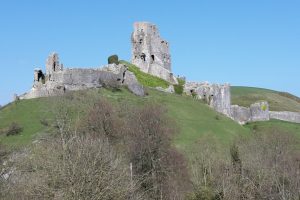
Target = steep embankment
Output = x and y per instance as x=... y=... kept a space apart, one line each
x=279 y=101
x=193 y=118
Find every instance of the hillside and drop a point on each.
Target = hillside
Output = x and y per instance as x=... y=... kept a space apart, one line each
x=279 y=101
x=193 y=118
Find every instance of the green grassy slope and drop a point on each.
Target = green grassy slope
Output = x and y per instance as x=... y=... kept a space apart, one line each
x=193 y=118
x=144 y=78
x=274 y=126
x=26 y=113
x=279 y=101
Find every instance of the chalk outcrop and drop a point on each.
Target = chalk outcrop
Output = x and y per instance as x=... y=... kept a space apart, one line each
x=58 y=80
x=150 y=52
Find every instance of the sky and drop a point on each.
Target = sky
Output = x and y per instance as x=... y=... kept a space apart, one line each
x=245 y=43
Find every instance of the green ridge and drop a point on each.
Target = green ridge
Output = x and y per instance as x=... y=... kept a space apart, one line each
x=279 y=101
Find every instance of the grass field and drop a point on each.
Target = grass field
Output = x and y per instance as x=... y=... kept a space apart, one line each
x=279 y=101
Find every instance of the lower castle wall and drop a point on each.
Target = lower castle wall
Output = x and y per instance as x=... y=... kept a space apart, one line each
x=72 y=78
x=286 y=116
x=59 y=82
x=240 y=114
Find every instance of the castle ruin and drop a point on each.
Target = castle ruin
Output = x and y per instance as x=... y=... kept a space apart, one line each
x=150 y=52
x=216 y=96
x=57 y=79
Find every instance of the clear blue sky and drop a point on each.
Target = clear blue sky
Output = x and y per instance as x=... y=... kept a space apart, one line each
x=251 y=43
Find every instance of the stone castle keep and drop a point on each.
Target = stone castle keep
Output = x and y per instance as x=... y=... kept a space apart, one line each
x=151 y=54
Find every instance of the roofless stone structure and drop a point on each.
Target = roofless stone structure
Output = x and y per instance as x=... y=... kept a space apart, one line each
x=150 y=52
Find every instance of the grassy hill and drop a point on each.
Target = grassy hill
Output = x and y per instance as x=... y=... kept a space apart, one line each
x=193 y=118
x=279 y=101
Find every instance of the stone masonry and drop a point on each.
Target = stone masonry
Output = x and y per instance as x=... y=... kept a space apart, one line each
x=150 y=52
x=215 y=95
x=58 y=80
x=258 y=111
x=285 y=116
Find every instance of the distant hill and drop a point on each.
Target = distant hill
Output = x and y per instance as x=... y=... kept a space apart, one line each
x=279 y=101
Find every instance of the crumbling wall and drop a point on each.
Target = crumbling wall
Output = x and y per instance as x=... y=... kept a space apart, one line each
x=286 y=116
x=240 y=114
x=216 y=96
x=52 y=64
x=150 y=52
x=260 y=111
x=61 y=80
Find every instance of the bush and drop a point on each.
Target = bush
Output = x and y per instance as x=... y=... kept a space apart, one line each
x=113 y=59
x=262 y=166
x=178 y=89
x=162 y=168
x=13 y=129
x=44 y=122
x=180 y=81
x=72 y=166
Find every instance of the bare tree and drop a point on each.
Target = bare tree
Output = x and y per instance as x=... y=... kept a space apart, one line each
x=264 y=166
x=150 y=151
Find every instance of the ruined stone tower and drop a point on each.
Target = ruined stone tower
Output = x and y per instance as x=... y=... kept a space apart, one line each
x=52 y=64
x=150 y=52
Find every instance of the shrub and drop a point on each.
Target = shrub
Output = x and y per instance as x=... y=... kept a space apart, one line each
x=180 y=81
x=261 y=166
x=14 y=129
x=194 y=94
x=217 y=117
x=151 y=153
x=264 y=107
x=113 y=59
x=44 y=122
x=178 y=89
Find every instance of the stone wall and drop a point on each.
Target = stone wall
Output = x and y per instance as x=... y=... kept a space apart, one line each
x=240 y=114
x=216 y=96
x=60 y=80
x=257 y=112
x=260 y=111
x=286 y=116
x=150 y=52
